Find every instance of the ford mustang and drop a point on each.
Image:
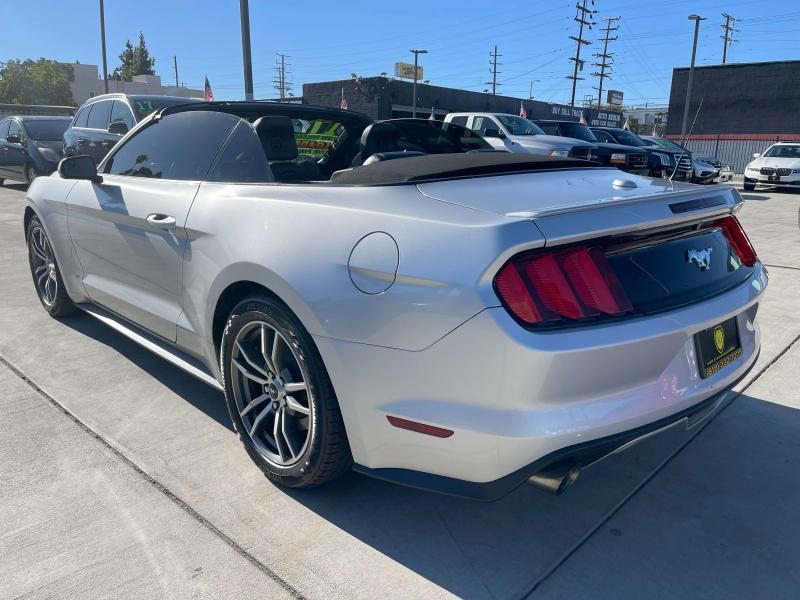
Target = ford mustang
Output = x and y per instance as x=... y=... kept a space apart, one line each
x=400 y=299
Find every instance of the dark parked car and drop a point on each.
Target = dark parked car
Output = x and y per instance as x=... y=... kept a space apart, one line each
x=103 y=120
x=30 y=146
x=628 y=158
x=662 y=160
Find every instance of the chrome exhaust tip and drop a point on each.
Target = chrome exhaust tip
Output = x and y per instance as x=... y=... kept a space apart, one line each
x=556 y=478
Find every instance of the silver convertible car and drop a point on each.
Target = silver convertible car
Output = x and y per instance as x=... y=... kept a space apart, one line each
x=397 y=298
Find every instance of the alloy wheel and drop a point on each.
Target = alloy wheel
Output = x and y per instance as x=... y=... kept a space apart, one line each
x=272 y=396
x=43 y=264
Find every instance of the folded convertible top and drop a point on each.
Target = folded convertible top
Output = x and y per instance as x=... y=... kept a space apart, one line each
x=432 y=167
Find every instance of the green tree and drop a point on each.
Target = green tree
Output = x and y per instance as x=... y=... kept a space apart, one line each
x=40 y=81
x=134 y=61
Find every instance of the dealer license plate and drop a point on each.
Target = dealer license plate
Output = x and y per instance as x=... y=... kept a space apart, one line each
x=717 y=347
x=774 y=178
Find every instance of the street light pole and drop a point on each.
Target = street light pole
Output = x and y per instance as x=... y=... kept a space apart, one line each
x=414 y=90
x=103 y=44
x=530 y=91
x=696 y=19
x=247 y=61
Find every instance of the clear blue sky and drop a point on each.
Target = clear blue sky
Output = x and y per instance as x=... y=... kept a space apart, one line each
x=332 y=39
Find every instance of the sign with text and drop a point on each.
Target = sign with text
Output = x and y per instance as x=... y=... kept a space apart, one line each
x=406 y=70
x=614 y=97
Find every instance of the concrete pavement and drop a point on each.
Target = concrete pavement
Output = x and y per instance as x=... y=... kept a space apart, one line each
x=155 y=429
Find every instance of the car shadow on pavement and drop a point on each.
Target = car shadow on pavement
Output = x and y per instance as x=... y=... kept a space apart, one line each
x=195 y=392
x=755 y=197
x=19 y=187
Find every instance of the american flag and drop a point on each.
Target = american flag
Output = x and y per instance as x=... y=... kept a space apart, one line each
x=583 y=119
x=208 y=95
x=343 y=103
x=522 y=112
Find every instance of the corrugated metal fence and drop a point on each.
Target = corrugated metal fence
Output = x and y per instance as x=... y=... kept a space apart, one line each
x=733 y=150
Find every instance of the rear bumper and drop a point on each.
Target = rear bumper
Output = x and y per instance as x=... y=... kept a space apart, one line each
x=515 y=399
x=581 y=454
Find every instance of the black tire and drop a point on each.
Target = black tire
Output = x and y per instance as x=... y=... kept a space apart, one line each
x=30 y=173
x=61 y=304
x=326 y=455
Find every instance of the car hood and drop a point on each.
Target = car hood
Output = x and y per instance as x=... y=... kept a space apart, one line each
x=774 y=161
x=619 y=147
x=550 y=140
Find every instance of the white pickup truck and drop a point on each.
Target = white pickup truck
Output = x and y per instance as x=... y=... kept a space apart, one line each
x=517 y=134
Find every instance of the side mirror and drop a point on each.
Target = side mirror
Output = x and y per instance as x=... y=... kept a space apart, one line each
x=14 y=138
x=118 y=128
x=756 y=155
x=493 y=133
x=79 y=167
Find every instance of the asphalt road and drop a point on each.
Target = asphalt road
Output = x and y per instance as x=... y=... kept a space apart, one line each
x=120 y=476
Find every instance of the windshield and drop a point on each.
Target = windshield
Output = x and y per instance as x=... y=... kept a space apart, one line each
x=519 y=126
x=437 y=137
x=47 y=131
x=144 y=106
x=628 y=138
x=783 y=151
x=579 y=131
x=668 y=144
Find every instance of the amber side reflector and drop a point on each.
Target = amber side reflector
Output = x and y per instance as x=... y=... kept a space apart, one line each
x=419 y=427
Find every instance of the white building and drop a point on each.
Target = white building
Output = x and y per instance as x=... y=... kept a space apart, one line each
x=88 y=83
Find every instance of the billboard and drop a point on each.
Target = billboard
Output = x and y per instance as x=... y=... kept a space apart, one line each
x=614 y=97
x=406 y=70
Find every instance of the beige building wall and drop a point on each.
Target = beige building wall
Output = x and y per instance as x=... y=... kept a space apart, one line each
x=88 y=84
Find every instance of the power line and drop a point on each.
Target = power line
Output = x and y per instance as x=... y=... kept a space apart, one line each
x=727 y=37
x=493 y=62
x=581 y=16
x=606 y=59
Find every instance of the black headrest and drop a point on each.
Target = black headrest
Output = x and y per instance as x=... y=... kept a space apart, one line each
x=379 y=137
x=277 y=137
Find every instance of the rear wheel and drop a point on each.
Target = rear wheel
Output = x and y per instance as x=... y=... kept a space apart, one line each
x=279 y=396
x=45 y=272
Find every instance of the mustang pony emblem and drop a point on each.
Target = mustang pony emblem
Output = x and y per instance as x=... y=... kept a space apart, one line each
x=702 y=258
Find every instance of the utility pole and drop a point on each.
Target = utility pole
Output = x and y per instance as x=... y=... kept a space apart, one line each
x=247 y=60
x=530 y=91
x=493 y=61
x=175 y=64
x=727 y=37
x=281 y=81
x=696 y=19
x=103 y=44
x=605 y=59
x=581 y=16
x=416 y=54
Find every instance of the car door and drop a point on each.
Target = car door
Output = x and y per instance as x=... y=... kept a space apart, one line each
x=3 y=152
x=479 y=124
x=128 y=231
x=16 y=154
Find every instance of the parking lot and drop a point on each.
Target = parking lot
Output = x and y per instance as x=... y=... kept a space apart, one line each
x=121 y=475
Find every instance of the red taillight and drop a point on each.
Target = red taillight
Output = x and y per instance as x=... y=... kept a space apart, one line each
x=564 y=284
x=738 y=239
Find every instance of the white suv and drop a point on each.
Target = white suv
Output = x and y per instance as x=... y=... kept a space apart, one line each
x=779 y=166
x=517 y=134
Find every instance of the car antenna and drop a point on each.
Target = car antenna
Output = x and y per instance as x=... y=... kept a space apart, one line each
x=683 y=150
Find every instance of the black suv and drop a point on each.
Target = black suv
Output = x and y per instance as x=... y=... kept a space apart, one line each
x=103 y=120
x=627 y=158
x=30 y=146
x=662 y=161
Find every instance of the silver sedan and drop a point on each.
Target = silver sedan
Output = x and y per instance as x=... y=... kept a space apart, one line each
x=397 y=298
